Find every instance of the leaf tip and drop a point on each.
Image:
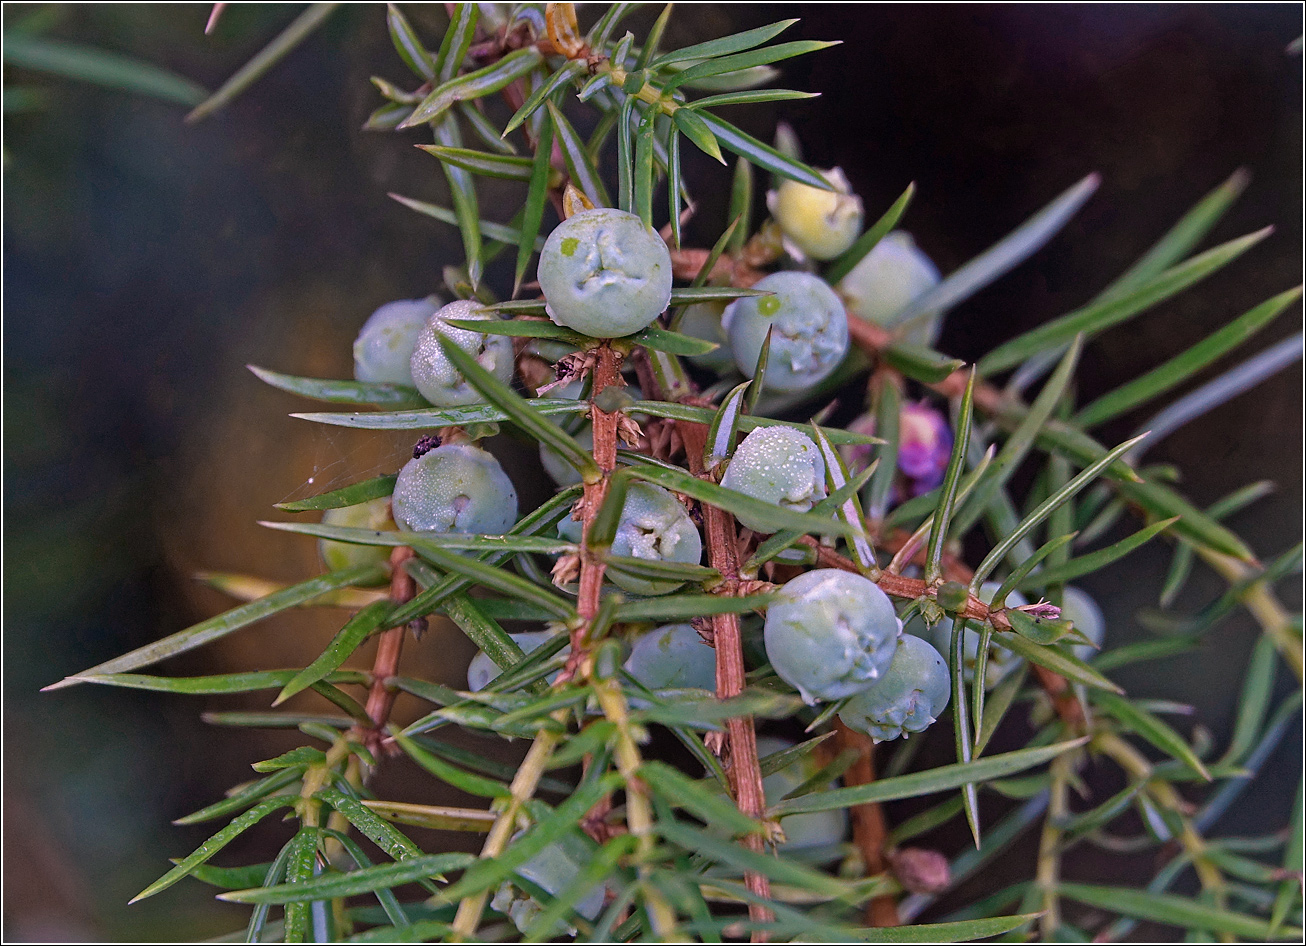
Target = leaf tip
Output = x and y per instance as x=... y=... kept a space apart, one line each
x=1238 y=181
x=65 y=682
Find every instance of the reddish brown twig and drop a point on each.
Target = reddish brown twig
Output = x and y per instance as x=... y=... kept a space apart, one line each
x=899 y=586
x=607 y=374
x=381 y=697
x=1063 y=697
x=869 y=829
x=744 y=772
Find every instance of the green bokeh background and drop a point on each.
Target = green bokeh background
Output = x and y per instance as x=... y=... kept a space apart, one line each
x=147 y=261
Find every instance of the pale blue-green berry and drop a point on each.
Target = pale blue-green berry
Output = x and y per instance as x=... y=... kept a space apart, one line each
x=482 y=669
x=654 y=526
x=781 y=467
x=435 y=375
x=455 y=488
x=703 y=320
x=385 y=343
x=1000 y=660
x=672 y=656
x=570 y=529
x=830 y=633
x=553 y=870
x=810 y=336
x=1081 y=609
x=810 y=829
x=889 y=277
x=374 y=514
x=604 y=273
x=548 y=349
x=820 y=223
x=907 y=699
x=562 y=472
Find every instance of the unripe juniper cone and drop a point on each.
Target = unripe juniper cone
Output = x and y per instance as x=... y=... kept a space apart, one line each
x=604 y=273
x=483 y=669
x=886 y=280
x=821 y=223
x=559 y=470
x=672 y=656
x=1000 y=660
x=703 y=320
x=553 y=870
x=810 y=334
x=780 y=466
x=908 y=698
x=810 y=830
x=1079 y=607
x=653 y=526
x=455 y=488
x=374 y=514
x=830 y=634
x=562 y=472
x=384 y=347
x=435 y=375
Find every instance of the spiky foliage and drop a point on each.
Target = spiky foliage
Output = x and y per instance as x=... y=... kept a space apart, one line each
x=696 y=850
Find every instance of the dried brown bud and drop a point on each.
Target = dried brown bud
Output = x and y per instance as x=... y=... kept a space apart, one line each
x=566 y=570
x=628 y=432
x=1041 y=610
x=920 y=870
x=569 y=368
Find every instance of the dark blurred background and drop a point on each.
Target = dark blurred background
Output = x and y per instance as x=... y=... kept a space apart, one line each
x=147 y=261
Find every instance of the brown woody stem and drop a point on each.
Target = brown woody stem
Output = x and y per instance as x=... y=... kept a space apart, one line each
x=381 y=698
x=744 y=772
x=869 y=829
x=607 y=374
